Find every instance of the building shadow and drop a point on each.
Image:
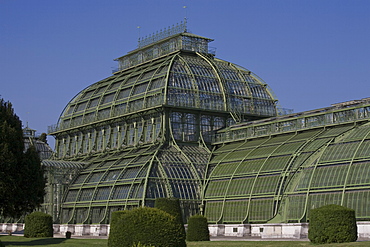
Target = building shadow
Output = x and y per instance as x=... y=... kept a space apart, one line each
x=34 y=242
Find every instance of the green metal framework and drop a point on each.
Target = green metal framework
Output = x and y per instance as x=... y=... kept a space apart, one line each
x=146 y=131
x=276 y=170
x=59 y=175
x=175 y=121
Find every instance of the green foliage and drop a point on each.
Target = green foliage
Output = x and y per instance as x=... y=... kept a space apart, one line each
x=37 y=225
x=332 y=224
x=43 y=138
x=11 y=148
x=116 y=236
x=197 y=229
x=172 y=206
x=1 y=244
x=33 y=181
x=141 y=245
x=22 y=180
x=147 y=226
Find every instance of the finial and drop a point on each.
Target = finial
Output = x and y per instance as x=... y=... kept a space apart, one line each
x=185 y=20
x=138 y=29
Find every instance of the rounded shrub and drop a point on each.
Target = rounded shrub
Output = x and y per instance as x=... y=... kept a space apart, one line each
x=38 y=225
x=145 y=227
x=197 y=229
x=332 y=224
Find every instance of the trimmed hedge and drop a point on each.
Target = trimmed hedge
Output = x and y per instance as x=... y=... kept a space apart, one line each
x=38 y=225
x=116 y=229
x=332 y=224
x=144 y=226
x=197 y=229
x=141 y=245
x=172 y=206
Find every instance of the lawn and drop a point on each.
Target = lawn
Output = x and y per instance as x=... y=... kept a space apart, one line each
x=53 y=242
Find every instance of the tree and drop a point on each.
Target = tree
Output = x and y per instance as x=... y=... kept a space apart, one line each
x=43 y=138
x=22 y=181
x=32 y=174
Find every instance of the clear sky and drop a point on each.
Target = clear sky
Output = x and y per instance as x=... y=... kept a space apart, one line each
x=312 y=53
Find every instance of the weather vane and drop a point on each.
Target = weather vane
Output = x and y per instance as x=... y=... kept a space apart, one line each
x=185 y=13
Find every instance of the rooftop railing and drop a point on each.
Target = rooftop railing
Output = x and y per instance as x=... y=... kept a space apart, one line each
x=162 y=34
x=336 y=114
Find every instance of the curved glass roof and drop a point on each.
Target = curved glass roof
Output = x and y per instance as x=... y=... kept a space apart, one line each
x=181 y=79
x=63 y=164
x=289 y=165
x=131 y=178
x=43 y=149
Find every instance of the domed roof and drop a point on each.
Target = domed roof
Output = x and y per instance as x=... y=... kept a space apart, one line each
x=42 y=147
x=183 y=76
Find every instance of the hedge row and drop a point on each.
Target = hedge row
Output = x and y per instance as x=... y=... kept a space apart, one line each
x=145 y=226
x=197 y=229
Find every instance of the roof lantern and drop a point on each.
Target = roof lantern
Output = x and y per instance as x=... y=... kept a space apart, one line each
x=162 y=43
x=28 y=132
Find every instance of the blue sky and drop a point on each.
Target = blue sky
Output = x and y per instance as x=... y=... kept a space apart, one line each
x=312 y=53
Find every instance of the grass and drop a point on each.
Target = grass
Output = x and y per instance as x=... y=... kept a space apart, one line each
x=271 y=244
x=74 y=242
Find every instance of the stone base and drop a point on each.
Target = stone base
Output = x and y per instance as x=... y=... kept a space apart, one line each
x=363 y=229
x=266 y=231
x=288 y=230
x=99 y=230
x=283 y=230
x=11 y=227
x=82 y=229
x=230 y=230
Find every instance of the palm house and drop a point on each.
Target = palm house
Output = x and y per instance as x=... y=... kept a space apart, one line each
x=146 y=131
x=176 y=121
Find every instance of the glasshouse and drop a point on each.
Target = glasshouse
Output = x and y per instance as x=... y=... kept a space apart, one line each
x=175 y=121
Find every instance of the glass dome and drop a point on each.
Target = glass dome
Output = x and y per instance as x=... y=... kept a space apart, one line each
x=182 y=78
